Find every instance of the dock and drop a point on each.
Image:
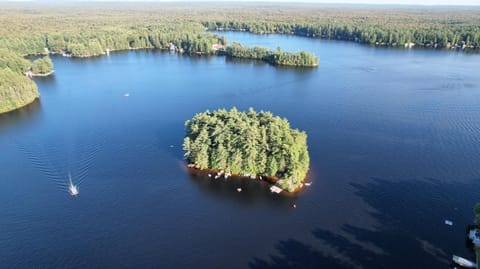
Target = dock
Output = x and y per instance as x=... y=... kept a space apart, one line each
x=276 y=189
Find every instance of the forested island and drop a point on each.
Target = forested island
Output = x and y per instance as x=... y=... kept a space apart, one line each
x=278 y=57
x=247 y=143
x=76 y=30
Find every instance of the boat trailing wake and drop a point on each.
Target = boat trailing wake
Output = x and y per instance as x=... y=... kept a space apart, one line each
x=67 y=166
x=72 y=188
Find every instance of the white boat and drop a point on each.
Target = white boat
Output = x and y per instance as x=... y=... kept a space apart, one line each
x=275 y=189
x=464 y=262
x=73 y=189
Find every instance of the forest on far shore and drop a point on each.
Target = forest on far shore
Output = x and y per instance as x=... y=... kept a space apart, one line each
x=81 y=30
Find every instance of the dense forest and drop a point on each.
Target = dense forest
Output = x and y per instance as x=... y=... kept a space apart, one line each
x=79 y=30
x=90 y=30
x=303 y=59
x=247 y=143
x=434 y=27
x=16 y=90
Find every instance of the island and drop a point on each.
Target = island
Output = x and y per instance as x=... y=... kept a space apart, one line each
x=278 y=57
x=73 y=30
x=248 y=143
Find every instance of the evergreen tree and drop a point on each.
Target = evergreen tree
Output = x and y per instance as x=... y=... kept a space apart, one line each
x=248 y=143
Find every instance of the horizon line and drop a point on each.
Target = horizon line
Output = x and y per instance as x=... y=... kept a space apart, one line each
x=255 y=2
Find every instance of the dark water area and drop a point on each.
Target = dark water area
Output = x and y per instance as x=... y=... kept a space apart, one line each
x=393 y=136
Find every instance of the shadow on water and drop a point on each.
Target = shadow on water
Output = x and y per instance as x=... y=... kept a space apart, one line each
x=409 y=217
x=261 y=63
x=252 y=191
x=253 y=62
x=20 y=116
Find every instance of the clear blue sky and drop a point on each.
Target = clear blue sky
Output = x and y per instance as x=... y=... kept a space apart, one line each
x=392 y=2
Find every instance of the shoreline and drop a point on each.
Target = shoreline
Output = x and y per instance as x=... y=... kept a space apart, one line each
x=43 y=75
x=177 y=51
x=20 y=107
x=217 y=174
x=406 y=46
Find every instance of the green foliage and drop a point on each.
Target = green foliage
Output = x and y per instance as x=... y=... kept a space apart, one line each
x=189 y=38
x=13 y=61
x=16 y=90
x=423 y=26
x=42 y=66
x=278 y=57
x=84 y=31
x=477 y=213
x=248 y=143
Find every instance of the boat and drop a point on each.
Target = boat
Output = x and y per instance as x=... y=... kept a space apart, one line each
x=275 y=189
x=73 y=189
x=463 y=262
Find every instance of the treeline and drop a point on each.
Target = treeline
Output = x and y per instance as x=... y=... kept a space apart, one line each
x=278 y=57
x=381 y=35
x=85 y=29
x=247 y=143
x=94 y=43
x=14 y=62
x=381 y=26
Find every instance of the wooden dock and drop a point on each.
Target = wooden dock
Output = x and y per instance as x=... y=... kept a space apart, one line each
x=276 y=189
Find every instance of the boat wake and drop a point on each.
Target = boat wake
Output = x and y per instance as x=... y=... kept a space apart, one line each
x=59 y=160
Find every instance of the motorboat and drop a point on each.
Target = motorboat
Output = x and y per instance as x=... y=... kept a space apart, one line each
x=73 y=189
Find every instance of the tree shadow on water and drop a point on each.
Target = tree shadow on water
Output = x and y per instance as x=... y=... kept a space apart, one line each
x=409 y=230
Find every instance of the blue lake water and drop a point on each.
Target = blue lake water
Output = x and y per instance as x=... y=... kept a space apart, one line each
x=393 y=136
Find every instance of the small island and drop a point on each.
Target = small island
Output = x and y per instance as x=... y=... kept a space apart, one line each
x=248 y=143
x=278 y=57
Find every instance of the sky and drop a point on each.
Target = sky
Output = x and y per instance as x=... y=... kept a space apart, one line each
x=390 y=2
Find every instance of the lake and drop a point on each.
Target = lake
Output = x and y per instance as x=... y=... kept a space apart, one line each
x=393 y=136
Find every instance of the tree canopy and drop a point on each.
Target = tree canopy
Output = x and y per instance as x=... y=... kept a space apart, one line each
x=301 y=59
x=16 y=90
x=247 y=143
x=90 y=30
x=42 y=66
